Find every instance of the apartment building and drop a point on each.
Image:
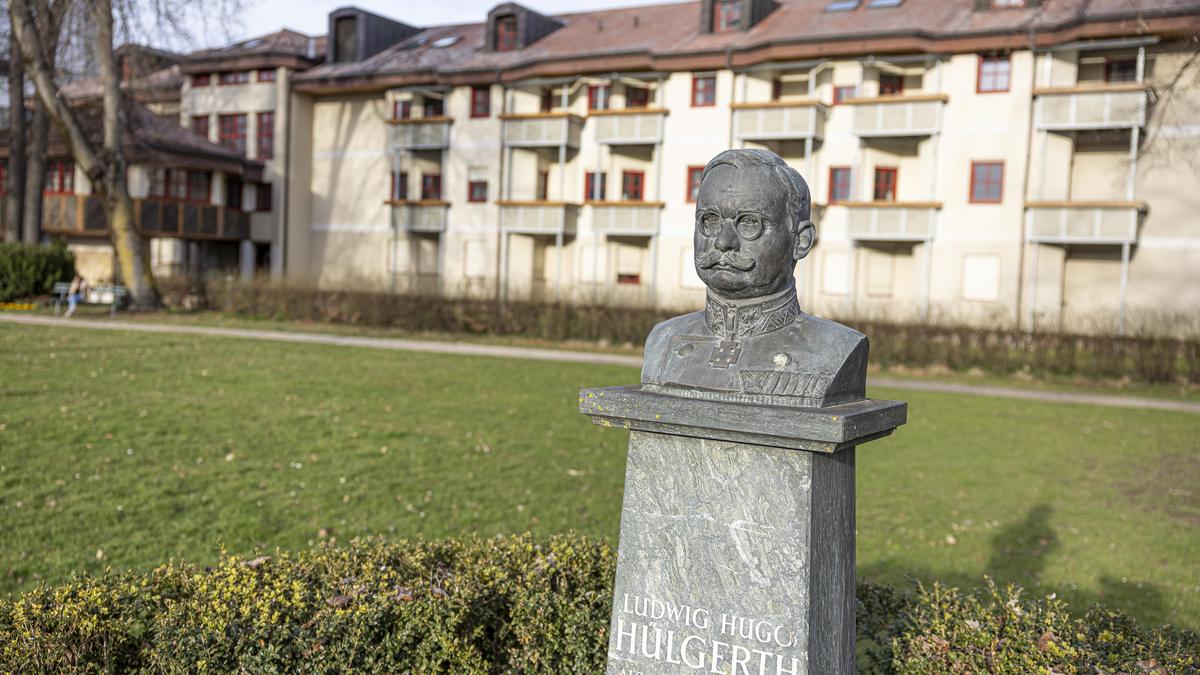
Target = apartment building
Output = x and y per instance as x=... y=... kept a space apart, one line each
x=1018 y=162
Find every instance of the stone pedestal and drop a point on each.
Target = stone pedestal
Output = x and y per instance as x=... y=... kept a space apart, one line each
x=736 y=552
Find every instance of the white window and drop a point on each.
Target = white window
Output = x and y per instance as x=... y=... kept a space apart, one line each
x=835 y=273
x=981 y=277
x=687 y=270
x=474 y=259
x=880 y=273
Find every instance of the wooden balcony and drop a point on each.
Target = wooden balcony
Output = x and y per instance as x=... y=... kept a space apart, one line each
x=890 y=221
x=542 y=130
x=779 y=120
x=84 y=216
x=897 y=116
x=420 y=216
x=422 y=133
x=631 y=219
x=538 y=217
x=634 y=126
x=1084 y=222
x=1116 y=106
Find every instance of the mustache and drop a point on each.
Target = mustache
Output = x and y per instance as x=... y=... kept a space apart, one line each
x=734 y=259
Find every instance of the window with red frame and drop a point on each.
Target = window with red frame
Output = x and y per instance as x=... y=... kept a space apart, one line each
x=632 y=185
x=201 y=80
x=431 y=186
x=987 y=182
x=263 y=197
x=60 y=178
x=547 y=100
x=627 y=278
x=169 y=184
x=885 y=183
x=200 y=125
x=231 y=132
x=233 y=193
x=891 y=85
x=994 y=73
x=481 y=101
x=694 y=173
x=506 y=33
x=266 y=135
x=543 y=186
x=1124 y=70
x=234 y=77
x=477 y=191
x=727 y=15
x=433 y=107
x=839 y=184
x=637 y=97
x=841 y=94
x=199 y=186
x=704 y=91
x=594 y=184
x=401 y=110
x=399 y=191
x=265 y=74
x=598 y=96
x=3 y=177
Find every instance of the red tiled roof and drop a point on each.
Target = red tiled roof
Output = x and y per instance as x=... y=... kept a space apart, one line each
x=673 y=31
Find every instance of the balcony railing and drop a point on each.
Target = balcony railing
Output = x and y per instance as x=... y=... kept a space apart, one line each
x=1120 y=106
x=538 y=217
x=896 y=116
x=422 y=133
x=536 y=130
x=891 y=221
x=83 y=215
x=636 y=219
x=642 y=126
x=779 y=120
x=1084 y=222
x=421 y=216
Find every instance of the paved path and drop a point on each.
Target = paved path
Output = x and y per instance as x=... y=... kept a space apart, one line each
x=470 y=349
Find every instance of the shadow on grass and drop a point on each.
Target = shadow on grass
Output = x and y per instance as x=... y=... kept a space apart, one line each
x=1019 y=553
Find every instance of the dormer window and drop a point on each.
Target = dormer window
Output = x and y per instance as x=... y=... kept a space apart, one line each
x=506 y=33
x=345 y=45
x=727 y=16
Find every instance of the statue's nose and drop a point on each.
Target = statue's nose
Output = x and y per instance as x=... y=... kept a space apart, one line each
x=727 y=238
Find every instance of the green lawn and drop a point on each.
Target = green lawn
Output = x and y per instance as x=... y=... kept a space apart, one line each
x=126 y=449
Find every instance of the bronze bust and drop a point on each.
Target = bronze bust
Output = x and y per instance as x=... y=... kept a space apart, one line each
x=751 y=343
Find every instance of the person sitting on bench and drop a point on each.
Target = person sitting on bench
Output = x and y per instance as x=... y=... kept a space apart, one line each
x=78 y=291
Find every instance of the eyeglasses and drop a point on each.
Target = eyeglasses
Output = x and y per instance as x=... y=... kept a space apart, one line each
x=749 y=226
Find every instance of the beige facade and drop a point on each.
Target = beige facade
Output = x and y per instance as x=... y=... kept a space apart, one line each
x=1081 y=231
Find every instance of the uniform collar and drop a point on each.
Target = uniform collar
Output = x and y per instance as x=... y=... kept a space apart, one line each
x=753 y=316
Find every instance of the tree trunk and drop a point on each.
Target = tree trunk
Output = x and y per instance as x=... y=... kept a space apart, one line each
x=15 y=201
x=126 y=241
x=35 y=174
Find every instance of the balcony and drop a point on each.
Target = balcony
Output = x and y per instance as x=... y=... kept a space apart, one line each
x=420 y=216
x=538 y=217
x=422 y=133
x=890 y=221
x=898 y=116
x=625 y=219
x=542 y=130
x=84 y=216
x=1084 y=222
x=1121 y=106
x=637 y=126
x=779 y=120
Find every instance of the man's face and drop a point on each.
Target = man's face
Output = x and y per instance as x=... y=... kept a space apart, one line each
x=744 y=248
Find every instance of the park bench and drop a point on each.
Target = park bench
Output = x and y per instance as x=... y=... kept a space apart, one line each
x=95 y=295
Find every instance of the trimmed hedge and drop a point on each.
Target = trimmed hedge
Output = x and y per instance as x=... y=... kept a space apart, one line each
x=27 y=271
x=508 y=604
x=1141 y=358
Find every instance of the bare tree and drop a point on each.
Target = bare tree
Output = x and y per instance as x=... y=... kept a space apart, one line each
x=47 y=19
x=104 y=165
x=14 y=205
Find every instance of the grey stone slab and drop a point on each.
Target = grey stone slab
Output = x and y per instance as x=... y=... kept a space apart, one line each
x=729 y=563
x=827 y=429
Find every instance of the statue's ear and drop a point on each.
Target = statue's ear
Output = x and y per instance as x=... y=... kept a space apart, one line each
x=806 y=236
